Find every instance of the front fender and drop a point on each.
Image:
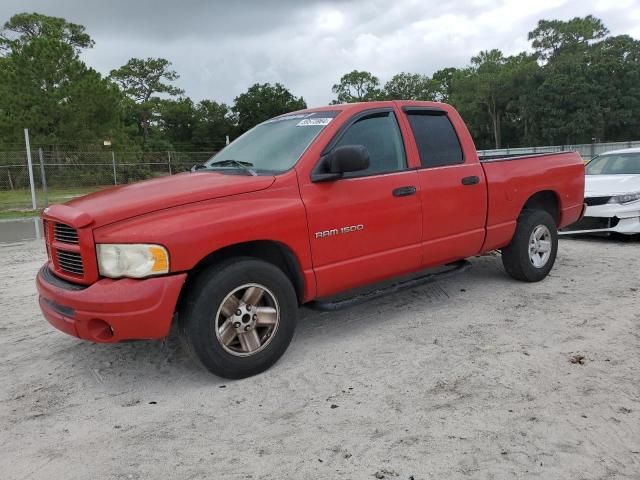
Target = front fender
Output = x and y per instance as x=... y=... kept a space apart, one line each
x=192 y=232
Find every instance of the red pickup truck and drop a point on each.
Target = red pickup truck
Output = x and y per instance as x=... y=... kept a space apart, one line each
x=301 y=208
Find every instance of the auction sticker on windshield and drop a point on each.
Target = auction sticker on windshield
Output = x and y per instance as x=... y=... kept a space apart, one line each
x=313 y=122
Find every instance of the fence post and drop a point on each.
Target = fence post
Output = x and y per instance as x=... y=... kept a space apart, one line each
x=30 y=165
x=113 y=161
x=43 y=178
x=169 y=156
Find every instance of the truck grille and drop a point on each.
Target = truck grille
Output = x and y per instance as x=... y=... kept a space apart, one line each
x=593 y=223
x=71 y=251
x=593 y=201
x=65 y=234
x=70 y=262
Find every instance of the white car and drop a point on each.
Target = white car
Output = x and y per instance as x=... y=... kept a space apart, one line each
x=612 y=194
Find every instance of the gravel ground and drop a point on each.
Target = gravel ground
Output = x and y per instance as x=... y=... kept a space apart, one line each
x=470 y=377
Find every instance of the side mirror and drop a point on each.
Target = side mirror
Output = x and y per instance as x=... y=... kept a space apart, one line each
x=348 y=158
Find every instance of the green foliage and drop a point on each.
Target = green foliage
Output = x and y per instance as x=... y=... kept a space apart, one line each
x=409 y=86
x=214 y=123
x=46 y=87
x=494 y=90
x=141 y=80
x=357 y=86
x=203 y=126
x=23 y=28
x=442 y=84
x=580 y=83
x=262 y=102
x=550 y=37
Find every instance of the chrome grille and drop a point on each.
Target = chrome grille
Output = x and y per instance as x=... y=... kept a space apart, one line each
x=65 y=233
x=70 y=262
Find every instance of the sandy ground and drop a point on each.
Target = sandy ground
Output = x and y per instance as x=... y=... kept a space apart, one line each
x=466 y=378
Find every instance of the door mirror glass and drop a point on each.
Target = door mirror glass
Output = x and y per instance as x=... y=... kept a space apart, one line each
x=348 y=158
x=341 y=160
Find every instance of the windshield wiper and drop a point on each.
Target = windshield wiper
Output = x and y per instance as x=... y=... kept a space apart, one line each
x=243 y=165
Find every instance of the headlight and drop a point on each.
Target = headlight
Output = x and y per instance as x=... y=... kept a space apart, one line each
x=630 y=197
x=135 y=260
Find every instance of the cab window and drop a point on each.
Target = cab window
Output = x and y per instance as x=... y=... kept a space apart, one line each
x=380 y=134
x=436 y=139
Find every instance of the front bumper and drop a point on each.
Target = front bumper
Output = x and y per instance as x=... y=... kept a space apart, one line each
x=110 y=310
x=624 y=219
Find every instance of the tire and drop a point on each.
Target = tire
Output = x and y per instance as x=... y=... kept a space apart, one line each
x=210 y=324
x=532 y=265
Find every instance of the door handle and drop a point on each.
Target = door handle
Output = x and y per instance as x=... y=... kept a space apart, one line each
x=404 y=191
x=472 y=180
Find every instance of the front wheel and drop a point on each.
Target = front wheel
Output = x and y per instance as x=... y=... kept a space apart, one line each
x=532 y=252
x=239 y=317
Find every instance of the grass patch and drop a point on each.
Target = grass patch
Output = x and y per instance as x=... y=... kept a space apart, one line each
x=10 y=214
x=17 y=203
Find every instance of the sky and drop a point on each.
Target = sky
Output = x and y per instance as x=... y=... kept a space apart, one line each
x=220 y=48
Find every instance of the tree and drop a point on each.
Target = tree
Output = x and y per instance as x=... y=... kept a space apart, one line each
x=214 y=123
x=177 y=120
x=615 y=70
x=483 y=85
x=93 y=112
x=551 y=36
x=141 y=80
x=357 y=86
x=24 y=28
x=523 y=77
x=262 y=102
x=442 y=84
x=46 y=87
x=194 y=127
x=409 y=86
x=589 y=88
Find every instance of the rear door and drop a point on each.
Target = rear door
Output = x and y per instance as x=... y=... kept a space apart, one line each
x=452 y=189
x=365 y=226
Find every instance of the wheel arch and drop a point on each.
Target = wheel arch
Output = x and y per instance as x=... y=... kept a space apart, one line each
x=270 y=251
x=546 y=200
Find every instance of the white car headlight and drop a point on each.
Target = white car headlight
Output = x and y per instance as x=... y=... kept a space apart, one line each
x=630 y=197
x=132 y=260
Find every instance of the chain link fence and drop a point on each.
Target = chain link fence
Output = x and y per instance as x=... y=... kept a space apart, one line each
x=90 y=169
x=60 y=175
x=63 y=174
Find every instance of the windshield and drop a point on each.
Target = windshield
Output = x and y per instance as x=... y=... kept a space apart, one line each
x=273 y=146
x=615 y=164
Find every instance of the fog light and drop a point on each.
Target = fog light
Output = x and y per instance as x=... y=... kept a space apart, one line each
x=100 y=330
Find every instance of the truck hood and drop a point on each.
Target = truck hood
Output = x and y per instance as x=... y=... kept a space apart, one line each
x=608 y=185
x=118 y=203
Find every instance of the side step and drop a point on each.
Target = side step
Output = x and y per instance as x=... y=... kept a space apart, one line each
x=328 y=305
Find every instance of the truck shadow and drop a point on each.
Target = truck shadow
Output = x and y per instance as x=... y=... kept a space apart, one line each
x=145 y=362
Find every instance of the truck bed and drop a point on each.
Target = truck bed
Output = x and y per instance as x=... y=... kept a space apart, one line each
x=512 y=181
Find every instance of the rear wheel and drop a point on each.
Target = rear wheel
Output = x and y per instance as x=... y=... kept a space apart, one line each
x=239 y=317
x=532 y=252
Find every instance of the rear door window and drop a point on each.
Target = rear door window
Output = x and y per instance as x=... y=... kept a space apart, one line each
x=436 y=138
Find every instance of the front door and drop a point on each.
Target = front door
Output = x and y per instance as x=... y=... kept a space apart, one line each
x=367 y=225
